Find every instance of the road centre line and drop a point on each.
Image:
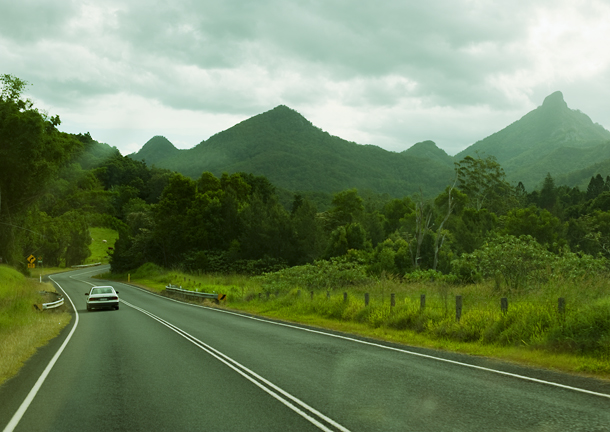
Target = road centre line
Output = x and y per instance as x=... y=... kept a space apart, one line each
x=251 y=376
x=401 y=350
x=12 y=424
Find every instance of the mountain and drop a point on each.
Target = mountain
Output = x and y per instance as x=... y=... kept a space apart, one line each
x=156 y=150
x=429 y=150
x=295 y=155
x=552 y=138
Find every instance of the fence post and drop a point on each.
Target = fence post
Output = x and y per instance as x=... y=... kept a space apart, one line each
x=366 y=299
x=311 y=294
x=422 y=302
x=392 y=300
x=561 y=305
x=458 y=307
x=504 y=304
x=345 y=297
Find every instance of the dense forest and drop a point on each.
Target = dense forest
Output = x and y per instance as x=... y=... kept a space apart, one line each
x=54 y=186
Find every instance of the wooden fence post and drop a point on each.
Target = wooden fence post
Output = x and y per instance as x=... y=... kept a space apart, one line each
x=345 y=297
x=561 y=305
x=311 y=294
x=504 y=304
x=366 y=299
x=422 y=302
x=458 y=307
x=392 y=300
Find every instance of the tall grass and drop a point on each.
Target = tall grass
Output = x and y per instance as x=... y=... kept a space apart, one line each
x=532 y=321
x=22 y=328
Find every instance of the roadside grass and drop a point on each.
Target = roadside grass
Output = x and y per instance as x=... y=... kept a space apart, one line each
x=22 y=328
x=99 y=249
x=532 y=331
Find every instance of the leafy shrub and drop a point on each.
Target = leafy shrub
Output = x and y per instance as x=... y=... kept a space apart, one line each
x=521 y=261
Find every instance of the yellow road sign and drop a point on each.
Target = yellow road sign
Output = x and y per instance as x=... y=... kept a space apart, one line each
x=31 y=259
x=31 y=265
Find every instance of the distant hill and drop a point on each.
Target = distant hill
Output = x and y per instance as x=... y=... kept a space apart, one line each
x=295 y=155
x=429 y=150
x=156 y=150
x=552 y=138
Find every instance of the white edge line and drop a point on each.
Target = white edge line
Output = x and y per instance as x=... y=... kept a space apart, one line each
x=522 y=377
x=244 y=371
x=32 y=394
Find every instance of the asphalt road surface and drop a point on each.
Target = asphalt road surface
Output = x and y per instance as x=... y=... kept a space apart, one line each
x=158 y=364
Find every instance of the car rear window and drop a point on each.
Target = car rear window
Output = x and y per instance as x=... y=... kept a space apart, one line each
x=101 y=291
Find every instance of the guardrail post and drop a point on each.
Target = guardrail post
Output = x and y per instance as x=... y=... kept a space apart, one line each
x=366 y=299
x=504 y=305
x=422 y=302
x=458 y=307
x=392 y=300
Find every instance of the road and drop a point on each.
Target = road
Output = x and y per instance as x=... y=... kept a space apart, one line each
x=162 y=365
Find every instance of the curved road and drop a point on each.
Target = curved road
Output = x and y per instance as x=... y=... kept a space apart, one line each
x=162 y=365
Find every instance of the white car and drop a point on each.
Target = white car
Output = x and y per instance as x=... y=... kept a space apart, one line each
x=102 y=297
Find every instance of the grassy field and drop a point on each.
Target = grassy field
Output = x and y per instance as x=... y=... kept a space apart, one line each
x=532 y=331
x=99 y=249
x=22 y=328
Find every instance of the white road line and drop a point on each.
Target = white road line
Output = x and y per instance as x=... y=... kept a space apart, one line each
x=251 y=376
x=428 y=356
x=32 y=394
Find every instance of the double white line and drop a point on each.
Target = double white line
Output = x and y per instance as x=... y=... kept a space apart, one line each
x=309 y=413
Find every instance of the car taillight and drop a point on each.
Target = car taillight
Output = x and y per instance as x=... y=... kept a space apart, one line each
x=113 y=298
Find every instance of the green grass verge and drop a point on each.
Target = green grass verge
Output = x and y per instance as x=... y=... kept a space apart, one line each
x=532 y=332
x=22 y=328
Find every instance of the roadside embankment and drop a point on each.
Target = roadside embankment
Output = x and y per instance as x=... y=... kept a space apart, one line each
x=23 y=328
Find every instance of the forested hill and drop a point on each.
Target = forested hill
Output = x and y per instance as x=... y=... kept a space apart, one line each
x=156 y=150
x=552 y=138
x=295 y=155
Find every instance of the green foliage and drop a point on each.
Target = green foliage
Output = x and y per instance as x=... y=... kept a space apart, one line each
x=540 y=224
x=521 y=262
x=330 y=275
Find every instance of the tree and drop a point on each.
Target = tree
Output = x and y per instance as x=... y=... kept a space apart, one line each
x=548 y=194
x=596 y=186
x=539 y=224
x=31 y=151
x=483 y=181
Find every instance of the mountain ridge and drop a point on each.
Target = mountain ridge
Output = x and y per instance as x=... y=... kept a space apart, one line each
x=296 y=155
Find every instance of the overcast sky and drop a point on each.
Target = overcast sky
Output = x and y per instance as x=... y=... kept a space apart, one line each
x=388 y=73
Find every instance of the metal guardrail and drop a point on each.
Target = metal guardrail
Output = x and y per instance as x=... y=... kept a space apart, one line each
x=51 y=305
x=87 y=265
x=54 y=304
x=175 y=289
